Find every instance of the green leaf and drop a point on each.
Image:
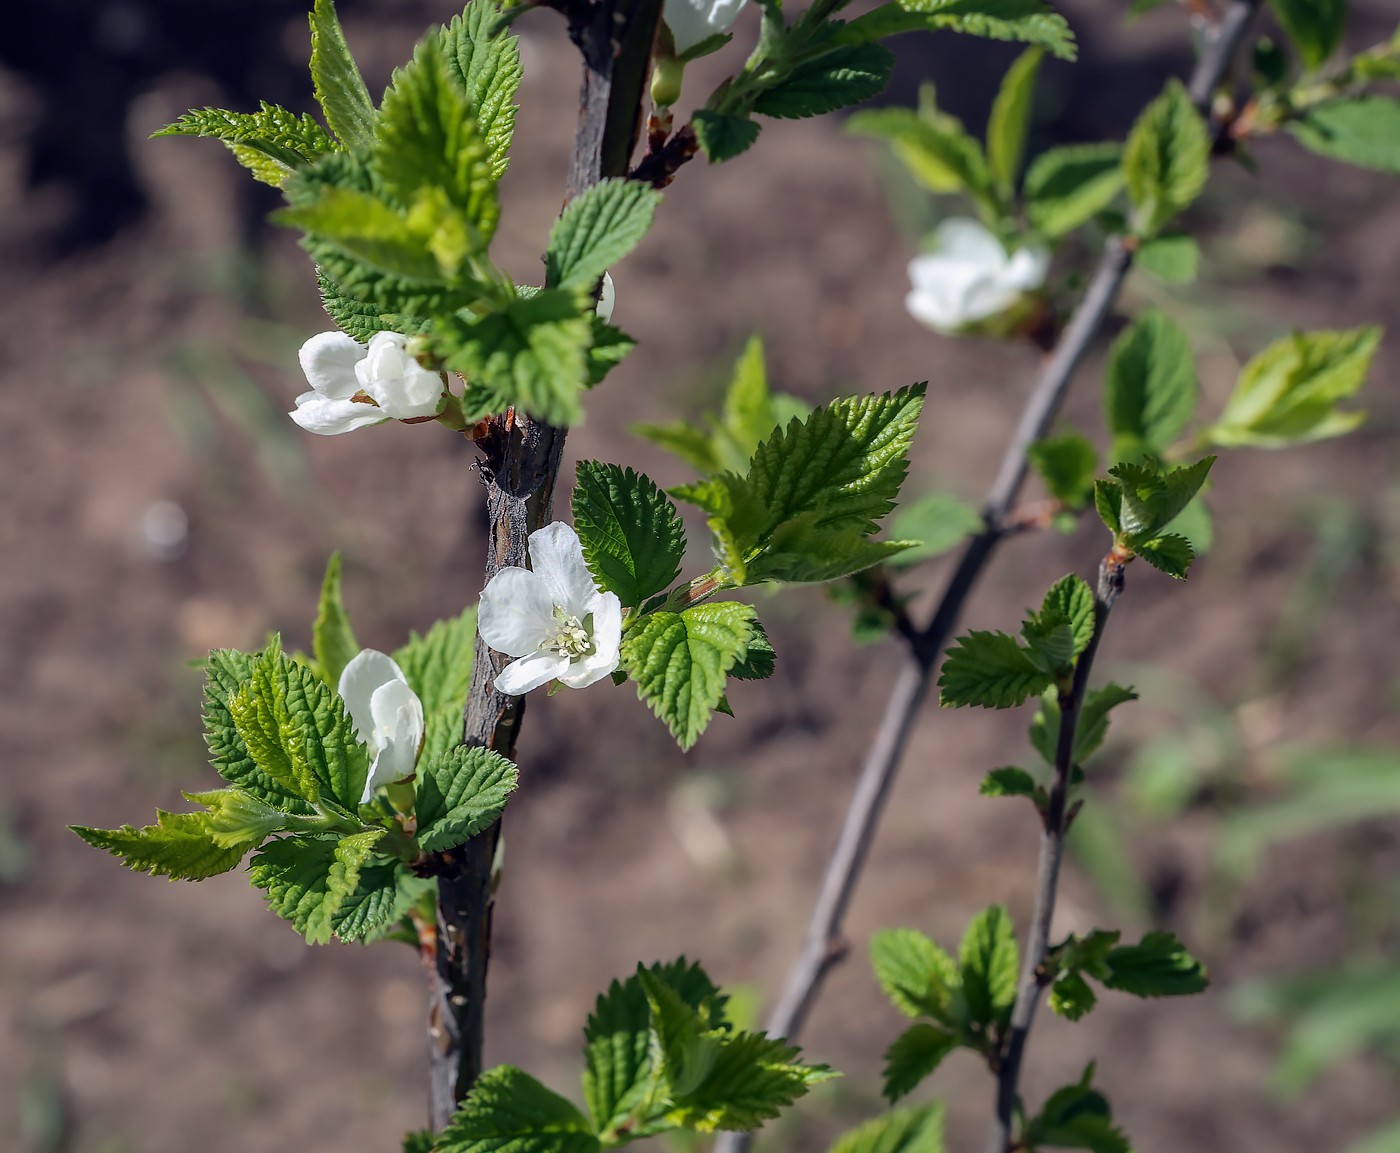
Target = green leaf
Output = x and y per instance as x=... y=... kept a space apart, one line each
x=1314 y=26
x=531 y=354
x=371 y=232
x=340 y=89
x=1010 y=121
x=1093 y=718
x=609 y=348
x=723 y=136
x=272 y=142
x=938 y=522
x=848 y=74
x=489 y=71
x=1149 y=500
x=679 y=661
x=438 y=668
x=1151 y=387
x=1076 y=1117
x=914 y=1129
x=332 y=638
x=989 y=960
x=1071 y=598
x=1013 y=782
x=508 y=1111
x=1028 y=21
x=1195 y=524
x=1169 y=554
x=1065 y=187
x=1171 y=259
x=1158 y=966
x=1108 y=500
x=1049 y=642
x=760 y=660
x=1166 y=160
x=237 y=819
x=379 y=901
x=596 y=230
x=179 y=846
x=1364 y=131
x=358 y=319
x=1288 y=394
x=460 y=792
x=309 y=878
x=419 y=1141
x=1067 y=465
x=918 y=976
x=692 y=444
x=991 y=670
x=751 y=412
x=1071 y=997
x=915 y=1054
x=633 y=537
x=933 y=146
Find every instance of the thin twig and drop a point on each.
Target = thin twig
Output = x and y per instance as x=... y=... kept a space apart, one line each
x=823 y=945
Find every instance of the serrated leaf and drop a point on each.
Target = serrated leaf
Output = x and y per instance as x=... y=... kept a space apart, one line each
x=1076 y=1117
x=332 y=639
x=1171 y=259
x=1158 y=966
x=751 y=412
x=1028 y=21
x=489 y=71
x=913 y=1055
x=1093 y=718
x=508 y=1111
x=1065 y=187
x=750 y=1079
x=918 y=976
x=1149 y=499
x=633 y=537
x=609 y=349
x=1288 y=394
x=938 y=522
x=1071 y=997
x=356 y=318
x=340 y=89
x=989 y=961
x=1067 y=465
x=180 y=846
x=932 y=145
x=1364 y=131
x=991 y=670
x=914 y=1129
x=308 y=878
x=1049 y=640
x=419 y=1141
x=596 y=230
x=1151 y=388
x=848 y=74
x=382 y=896
x=723 y=136
x=459 y=793
x=1010 y=121
x=372 y=233
x=438 y=668
x=759 y=659
x=1314 y=26
x=1169 y=554
x=1072 y=598
x=682 y=439
x=237 y=819
x=1166 y=160
x=271 y=142
x=1108 y=500
x=1013 y=782
x=680 y=660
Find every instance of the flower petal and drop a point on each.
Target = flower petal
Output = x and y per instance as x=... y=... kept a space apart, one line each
x=607 y=298
x=691 y=21
x=519 y=677
x=328 y=359
x=1028 y=267
x=326 y=417
x=970 y=240
x=366 y=672
x=556 y=557
x=516 y=615
x=398 y=712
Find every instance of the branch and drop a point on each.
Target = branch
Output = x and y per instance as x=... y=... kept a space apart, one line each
x=823 y=945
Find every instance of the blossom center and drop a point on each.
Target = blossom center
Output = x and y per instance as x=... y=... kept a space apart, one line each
x=569 y=636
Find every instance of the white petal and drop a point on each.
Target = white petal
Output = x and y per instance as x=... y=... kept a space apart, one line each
x=328 y=359
x=935 y=310
x=988 y=296
x=516 y=614
x=556 y=557
x=416 y=393
x=394 y=705
x=607 y=627
x=970 y=240
x=519 y=677
x=1028 y=267
x=691 y=21
x=367 y=671
x=607 y=298
x=326 y=417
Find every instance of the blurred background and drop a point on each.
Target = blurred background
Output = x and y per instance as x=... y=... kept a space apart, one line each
x=157 y=503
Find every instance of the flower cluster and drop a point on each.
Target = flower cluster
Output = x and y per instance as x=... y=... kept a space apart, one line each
x=353 y=386
x=969 y=276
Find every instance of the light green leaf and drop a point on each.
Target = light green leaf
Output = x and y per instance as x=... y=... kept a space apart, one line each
x=848 y=74
x=1065 y=187
x=991 y=670
x=1093 y=718
x=1028 y=21
x=1067 y=465
x=915 y=1129
x=1149 y=500
x=1013 y=782
x=933 y=146
x=1071 y=997
x=489 y=71
x=309 y=878
x=938 y=521
x=1364 y=131
x=272 y=142
x=751 y=411
x=989 y=960
x=1170 y=554
x=633 y=538
x=438 y=668
x=679 y=661
x=1171 y=259
x=1071 y=598
x=419 y=1141
x=1010 y=121
x=1049 y=642
x=914 y=1055
x=1288 y=394
x=1166 y=160
x=693 y=445
x=372 y=233
x=179 y=846
x=1158 y=966
x=237 y=820
x=1151 y=388
x=609 y=348
x=340 y=89
x=332 y=638
x=508 y=1111
x=460 y=793
x=596 y=230
x=723 y=136
x=1314 y=26
x=918 y=976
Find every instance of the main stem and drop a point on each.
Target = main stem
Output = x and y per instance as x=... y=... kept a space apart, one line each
x=521 y=469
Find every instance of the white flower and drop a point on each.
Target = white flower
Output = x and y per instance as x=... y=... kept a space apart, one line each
x=606 y=299
x=969 y=276
x=387 y=714
x=552 y=616
x=337 y=368
x=690 y=21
